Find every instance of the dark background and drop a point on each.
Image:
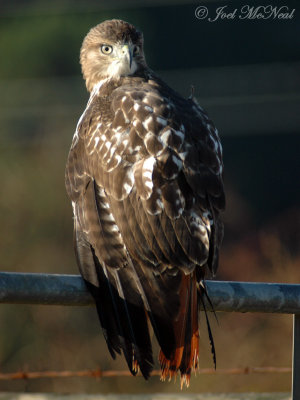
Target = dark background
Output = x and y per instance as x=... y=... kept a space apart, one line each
x=246 y=73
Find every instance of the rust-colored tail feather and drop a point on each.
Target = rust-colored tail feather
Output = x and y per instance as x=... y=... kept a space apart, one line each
x=184 y=357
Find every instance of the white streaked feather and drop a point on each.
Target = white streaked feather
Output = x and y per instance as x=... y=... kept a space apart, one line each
x=177 y=162
x=108 y=145
x=127 y=187
x=107 y=217
x=161 y=120
x=149 y=164
x=147 y=122
x=96 y=140
x=180 y=134
x=148 y=184
x=165 y=136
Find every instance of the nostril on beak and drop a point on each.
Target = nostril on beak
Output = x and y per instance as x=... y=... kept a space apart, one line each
x=126 y=52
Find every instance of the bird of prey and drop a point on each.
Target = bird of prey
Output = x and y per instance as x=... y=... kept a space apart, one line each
x=144 y=174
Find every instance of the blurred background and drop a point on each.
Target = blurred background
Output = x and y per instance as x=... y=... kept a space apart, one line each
x=246 y=73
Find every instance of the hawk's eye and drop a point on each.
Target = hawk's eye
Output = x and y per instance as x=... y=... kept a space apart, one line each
x=136 y=50
x=106 y=49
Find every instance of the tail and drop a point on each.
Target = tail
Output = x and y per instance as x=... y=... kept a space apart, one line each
x=183 y=357
x=127 y=298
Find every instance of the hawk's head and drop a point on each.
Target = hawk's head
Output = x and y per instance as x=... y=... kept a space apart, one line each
x=110 y=50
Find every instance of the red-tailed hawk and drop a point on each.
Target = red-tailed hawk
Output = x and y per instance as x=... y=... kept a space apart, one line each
x=144 y=174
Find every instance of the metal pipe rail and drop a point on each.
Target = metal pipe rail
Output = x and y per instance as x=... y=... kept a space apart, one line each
x=70 y=290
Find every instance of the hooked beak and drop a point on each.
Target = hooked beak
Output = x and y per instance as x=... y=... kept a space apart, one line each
x=127 y=54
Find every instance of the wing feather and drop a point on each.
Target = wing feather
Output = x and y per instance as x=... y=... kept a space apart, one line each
x=145 y=177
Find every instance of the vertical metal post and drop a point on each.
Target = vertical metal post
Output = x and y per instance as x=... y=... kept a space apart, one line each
x=296 y=358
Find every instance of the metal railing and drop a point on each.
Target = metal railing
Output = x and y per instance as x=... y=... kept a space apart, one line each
x=70 y=290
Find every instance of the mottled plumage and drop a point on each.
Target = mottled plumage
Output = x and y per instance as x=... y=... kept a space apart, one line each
x=144 y=175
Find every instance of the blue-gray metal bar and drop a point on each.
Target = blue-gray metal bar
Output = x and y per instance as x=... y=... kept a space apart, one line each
x=226 y=296
x=48 y=289
x=296 y=358
x=16 y=288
